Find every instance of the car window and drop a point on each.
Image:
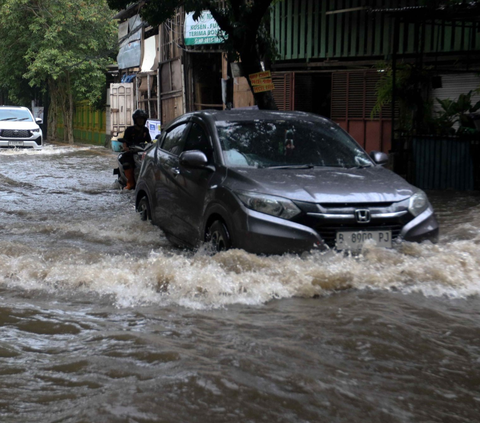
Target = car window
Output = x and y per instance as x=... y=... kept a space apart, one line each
x=14 y=115
x=285 y=142
x=197 y=140
x=174 y=140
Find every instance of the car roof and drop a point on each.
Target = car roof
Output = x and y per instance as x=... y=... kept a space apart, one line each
x=257 y=114
x=246 y=115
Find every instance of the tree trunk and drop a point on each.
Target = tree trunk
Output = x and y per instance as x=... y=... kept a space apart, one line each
x=69 y=113
x=264 y=100
x=66 y=105
x=52 y=110
x=252 y=63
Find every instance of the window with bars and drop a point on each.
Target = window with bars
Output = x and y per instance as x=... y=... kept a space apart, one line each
x=354 y=95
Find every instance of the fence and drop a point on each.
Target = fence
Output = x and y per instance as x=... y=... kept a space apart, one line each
x=439 y=163
x=89 y=125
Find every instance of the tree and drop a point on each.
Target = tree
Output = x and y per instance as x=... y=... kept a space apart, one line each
x=244 y=22
x=60 y=44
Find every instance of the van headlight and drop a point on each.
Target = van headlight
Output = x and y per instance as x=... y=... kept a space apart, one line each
x=269 y=204
x=418 y=203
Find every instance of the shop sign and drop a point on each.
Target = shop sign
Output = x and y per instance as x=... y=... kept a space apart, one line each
x=261 y=81
x=204 y=30
x=154 y=127
x=263 y=87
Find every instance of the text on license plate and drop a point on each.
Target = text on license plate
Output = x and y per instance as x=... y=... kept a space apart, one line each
x=15 y=143
x=354 y=240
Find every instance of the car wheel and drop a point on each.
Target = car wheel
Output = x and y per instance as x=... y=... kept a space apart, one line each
x=218 y=235
x=143 y=209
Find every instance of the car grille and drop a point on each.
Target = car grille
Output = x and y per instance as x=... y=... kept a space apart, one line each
x=15 y=133
x=325 y=222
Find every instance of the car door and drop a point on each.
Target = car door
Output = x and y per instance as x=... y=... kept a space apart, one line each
x=194 y=185
x=166 y=173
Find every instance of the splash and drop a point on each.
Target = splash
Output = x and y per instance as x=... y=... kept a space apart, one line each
x=202 y=280
x=87 y=239
x=47 y=150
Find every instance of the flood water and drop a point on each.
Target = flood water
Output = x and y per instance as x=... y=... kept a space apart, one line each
x=102 y=320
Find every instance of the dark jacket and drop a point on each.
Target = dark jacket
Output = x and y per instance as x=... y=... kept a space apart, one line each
x=134 y=136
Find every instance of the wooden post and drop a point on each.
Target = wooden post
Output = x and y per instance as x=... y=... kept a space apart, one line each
x=394 y=72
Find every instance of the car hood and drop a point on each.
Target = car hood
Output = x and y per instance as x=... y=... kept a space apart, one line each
x=324 y=185
x=7 y=124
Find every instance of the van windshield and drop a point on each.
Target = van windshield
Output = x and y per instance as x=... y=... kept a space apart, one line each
x=288 y=143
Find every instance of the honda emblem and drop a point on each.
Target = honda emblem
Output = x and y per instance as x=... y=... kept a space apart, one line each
x=362 y=216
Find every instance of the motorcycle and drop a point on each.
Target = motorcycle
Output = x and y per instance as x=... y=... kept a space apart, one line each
x=138 y=155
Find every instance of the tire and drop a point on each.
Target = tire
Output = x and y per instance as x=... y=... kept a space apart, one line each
x=143 y=208
x=219 y=237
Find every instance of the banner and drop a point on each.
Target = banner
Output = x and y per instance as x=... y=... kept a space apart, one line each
x=204 y=30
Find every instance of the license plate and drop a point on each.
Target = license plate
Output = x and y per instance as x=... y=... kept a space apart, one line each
x=354 y=240
x=15 y=143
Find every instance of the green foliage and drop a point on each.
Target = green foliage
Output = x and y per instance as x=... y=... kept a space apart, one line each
x=416 y=113
x=456 y=112
x=48 y=39
x=411 y=83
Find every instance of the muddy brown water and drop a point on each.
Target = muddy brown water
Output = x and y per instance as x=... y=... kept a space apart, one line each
x=102 y=320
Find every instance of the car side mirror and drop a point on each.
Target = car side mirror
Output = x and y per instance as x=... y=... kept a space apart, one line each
x=39 y=121
x=379 y=157
x=193 y=159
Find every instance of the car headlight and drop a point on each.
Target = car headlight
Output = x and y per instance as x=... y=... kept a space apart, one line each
x=418 y=203
x=269 y=204
x=35 y=130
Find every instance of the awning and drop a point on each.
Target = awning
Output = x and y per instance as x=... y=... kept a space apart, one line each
x=149 y=62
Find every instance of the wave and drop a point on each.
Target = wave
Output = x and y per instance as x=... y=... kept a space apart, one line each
x=204 y=280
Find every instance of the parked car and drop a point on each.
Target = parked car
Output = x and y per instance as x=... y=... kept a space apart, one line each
x=18 y=128
x=275 y=182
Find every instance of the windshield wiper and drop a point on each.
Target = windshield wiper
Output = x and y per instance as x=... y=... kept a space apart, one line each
x=359 y=167
x=12 y=118
x=309 y=166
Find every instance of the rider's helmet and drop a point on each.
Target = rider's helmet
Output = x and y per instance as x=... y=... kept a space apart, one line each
x=139 y=113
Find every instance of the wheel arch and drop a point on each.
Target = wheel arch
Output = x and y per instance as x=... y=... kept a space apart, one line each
x=139 y=195
x=212 y=218
x=218 y=212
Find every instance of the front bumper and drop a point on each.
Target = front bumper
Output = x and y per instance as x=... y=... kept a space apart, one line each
x=35 y=142
x=263 y=234
x=423 y=227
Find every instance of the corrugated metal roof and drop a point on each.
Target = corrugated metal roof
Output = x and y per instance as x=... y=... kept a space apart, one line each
x=469 y=11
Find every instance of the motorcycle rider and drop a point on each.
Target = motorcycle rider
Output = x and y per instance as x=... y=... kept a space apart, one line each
x=138 y=135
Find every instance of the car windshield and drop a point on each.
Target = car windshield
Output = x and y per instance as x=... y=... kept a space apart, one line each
x=15 y=115
x=288 y=143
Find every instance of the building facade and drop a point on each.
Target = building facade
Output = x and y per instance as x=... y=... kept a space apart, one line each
x=329 y=62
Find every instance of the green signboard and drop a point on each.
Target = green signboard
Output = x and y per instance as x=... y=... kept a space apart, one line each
x=204 y=30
